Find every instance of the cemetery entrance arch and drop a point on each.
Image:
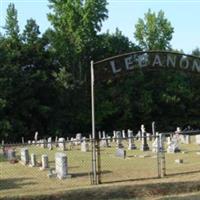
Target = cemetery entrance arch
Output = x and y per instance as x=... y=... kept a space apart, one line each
x=119 y=65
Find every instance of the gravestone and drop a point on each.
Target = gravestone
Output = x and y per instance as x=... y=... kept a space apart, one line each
x=61 y=144
x=78 y=139
x=45 y=162
x=99 y=134
x=114 y=136
x=109 y=139
x=123 y=134
x=157 y=144
x=197 y=139
x=22 y=140
x=11 y=154
x=90 y=137
x=33 y=160
x=36 y=136
x=174 y=145
x=61 y=165
x=44 y=143
x=121 y=153
x=49 y=143
x=104 y=140
x=84 y=146
x=56 y=141
x=153 y=130
x=149 y=136
x=131 y=145
x=24 y=156
x=168 y=140
x=187 y=139
x=119 y=140
x=145 y=146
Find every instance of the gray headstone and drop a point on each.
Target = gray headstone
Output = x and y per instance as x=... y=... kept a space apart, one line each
x=24 y=156
x=145 y=146
x=131 y=145
x=11 y=154
x=119 y=140
x=121 y=153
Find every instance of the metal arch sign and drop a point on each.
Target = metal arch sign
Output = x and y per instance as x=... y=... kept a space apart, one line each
x=121 y=64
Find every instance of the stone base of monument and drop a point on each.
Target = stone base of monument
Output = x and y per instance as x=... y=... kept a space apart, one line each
x=144 y=147
x=68 y=176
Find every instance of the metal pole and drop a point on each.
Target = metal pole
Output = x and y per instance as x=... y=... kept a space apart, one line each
x=94 y=167
x=158 y=156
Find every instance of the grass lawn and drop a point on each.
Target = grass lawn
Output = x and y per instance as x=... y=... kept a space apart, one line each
x=19 y=180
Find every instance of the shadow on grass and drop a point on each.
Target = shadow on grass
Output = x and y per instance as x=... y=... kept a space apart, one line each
x=123 y=192
x=182 y=173
x=131 y=179
x=13 y=183
x=88 y=174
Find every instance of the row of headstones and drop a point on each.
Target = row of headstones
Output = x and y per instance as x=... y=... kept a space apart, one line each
x=61 y=167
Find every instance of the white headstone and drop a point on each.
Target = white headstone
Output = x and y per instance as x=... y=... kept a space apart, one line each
x=123 y=134
x=61 y=144
x=174 y=145
x=33 y=160
x=197 y=139
x=36 y=136
x=78 y=139
x=61 y=165
x=99 y=133
x=49 y=143
x=45 y=162
x=84 y=146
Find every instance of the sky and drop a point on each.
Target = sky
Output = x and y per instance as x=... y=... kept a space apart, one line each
x=184 y=16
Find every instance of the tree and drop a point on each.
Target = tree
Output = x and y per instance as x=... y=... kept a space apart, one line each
x=31 y=32
x=12 y=27
x=76 y=24
x=154 y=32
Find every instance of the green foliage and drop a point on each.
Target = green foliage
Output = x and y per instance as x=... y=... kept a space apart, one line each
x=12 y=27
x=154 y=32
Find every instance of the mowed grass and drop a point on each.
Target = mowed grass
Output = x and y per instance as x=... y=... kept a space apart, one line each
x=19 y=180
